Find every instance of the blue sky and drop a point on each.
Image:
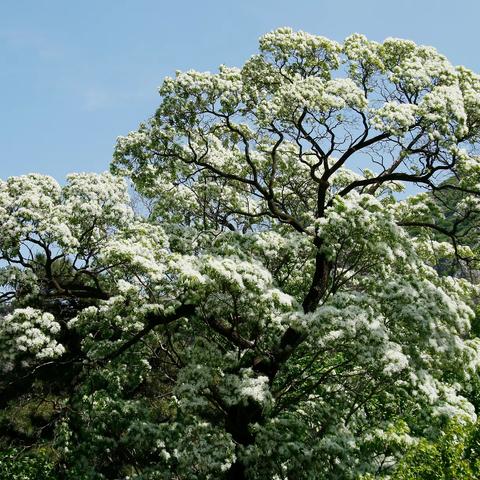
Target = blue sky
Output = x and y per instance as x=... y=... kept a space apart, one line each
x=75 y=75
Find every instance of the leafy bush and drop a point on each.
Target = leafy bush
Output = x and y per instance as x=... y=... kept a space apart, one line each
x=15 y=464
x=455 y=455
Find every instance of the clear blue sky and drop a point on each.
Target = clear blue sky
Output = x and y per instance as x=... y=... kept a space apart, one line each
x=76 y=74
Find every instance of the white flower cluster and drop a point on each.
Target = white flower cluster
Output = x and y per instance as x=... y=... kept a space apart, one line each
x=443 y=113
x=35 y=205
x=316 y=95
x=418 y=66
x=255 y=388
x=395 y=118
x=141 y=248
x=29 y=334
x=317 y=51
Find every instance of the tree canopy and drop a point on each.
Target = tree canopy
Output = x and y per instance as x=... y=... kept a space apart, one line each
x=258 y=289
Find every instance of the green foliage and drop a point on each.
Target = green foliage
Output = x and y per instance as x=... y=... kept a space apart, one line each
x=454 y=455
x=17 y=464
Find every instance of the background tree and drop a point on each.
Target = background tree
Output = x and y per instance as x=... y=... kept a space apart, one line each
x=280 y=313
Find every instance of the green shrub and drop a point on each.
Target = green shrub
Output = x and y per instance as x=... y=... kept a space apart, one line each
x=16 y=464
x=455 y=455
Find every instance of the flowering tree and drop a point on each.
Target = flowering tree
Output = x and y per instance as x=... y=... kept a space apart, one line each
x=276 y=308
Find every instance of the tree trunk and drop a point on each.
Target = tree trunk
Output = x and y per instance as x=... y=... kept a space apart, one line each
x=237 y=471
x=241 y=417
x=319 y=283
x=238 y=422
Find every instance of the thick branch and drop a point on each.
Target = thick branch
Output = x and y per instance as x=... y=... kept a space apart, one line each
x=229 y=333
x=153 y=320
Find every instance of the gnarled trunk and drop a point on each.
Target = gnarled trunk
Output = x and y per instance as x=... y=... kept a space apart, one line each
x=241 y=417
x=319 y=284
x=238 y=422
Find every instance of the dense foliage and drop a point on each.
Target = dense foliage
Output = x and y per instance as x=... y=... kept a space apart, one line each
x=274 y=307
